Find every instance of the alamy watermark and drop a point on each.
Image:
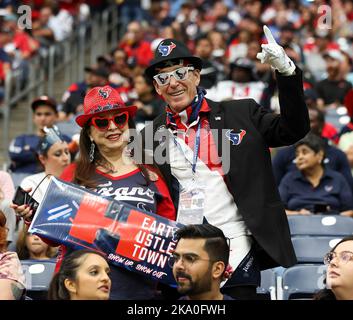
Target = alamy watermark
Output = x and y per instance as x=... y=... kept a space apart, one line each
x=156 y=148
x=324 y=21
x=25 y=17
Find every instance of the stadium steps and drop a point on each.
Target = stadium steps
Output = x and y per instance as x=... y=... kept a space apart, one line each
x=20 y=114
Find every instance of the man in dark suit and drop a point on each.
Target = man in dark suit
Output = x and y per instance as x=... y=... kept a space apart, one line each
x=216 y=161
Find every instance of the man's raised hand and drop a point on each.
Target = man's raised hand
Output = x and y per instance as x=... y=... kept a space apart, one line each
x=273 y=54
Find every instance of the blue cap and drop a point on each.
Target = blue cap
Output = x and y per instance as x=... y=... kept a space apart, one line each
x=52 y=135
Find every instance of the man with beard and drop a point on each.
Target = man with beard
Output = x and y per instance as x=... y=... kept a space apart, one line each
x=333 y=89
x=199 y=262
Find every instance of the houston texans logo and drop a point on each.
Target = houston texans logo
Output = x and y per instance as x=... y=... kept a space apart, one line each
x=105 y=93
x=165 y=50
x=235 y=138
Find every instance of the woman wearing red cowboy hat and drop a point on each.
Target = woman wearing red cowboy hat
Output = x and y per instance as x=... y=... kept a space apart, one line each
x=105 y=167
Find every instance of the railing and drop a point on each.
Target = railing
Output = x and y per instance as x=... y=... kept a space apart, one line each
x=90 y=39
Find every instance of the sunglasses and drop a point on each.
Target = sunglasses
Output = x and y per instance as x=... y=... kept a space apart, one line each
x=102 y=123
x=179 y=74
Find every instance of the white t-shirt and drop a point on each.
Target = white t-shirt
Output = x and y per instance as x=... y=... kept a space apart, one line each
x=220 y=209
x=33 y=181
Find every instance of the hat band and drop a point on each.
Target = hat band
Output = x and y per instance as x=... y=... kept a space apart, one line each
x=174 y=62
x=107 y=107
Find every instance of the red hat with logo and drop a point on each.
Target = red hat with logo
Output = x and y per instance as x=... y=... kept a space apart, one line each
x=102 y=99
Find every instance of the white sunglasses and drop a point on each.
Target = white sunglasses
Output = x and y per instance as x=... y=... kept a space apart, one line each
x=179 y=74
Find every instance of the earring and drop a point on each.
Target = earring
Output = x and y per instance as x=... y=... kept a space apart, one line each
x=91 y=152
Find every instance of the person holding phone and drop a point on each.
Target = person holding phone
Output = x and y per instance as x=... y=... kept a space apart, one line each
x=314 y=188
x=107 y=167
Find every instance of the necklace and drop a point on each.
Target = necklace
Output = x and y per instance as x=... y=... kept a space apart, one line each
x=107 y=168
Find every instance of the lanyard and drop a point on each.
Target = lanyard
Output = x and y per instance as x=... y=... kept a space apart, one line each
x=196 y=147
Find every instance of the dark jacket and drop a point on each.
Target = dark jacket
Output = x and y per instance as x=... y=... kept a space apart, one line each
x=250 y=178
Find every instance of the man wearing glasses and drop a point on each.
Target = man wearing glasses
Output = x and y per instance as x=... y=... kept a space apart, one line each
x=199 y=262
x=216 y=161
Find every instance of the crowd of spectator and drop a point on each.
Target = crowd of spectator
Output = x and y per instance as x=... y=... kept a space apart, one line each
x=314 y=176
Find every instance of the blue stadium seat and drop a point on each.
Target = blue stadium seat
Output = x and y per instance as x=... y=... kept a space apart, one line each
x=312 y=249
x=320 y=225
x=268 y=284
x=301 y=281
x=38 y=275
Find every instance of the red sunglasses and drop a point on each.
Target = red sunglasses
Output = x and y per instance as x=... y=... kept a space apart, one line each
x=102 y=123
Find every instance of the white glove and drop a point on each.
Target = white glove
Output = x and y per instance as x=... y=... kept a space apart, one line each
x=275 y=55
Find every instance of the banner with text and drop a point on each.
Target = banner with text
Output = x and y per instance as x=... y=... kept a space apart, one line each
x=131 y=238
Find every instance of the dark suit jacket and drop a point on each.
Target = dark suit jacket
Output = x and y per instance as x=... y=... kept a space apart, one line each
x=250 y=178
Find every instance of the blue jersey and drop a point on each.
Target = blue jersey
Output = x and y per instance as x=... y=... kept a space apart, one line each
x=23 y=153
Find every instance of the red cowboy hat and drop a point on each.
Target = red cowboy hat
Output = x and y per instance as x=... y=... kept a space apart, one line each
x=102 y=99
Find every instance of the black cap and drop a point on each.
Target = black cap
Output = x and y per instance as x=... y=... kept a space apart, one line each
x=288 y=27
x=99 y=71
x=172 y=50
x=44 y=100
x=245 y=63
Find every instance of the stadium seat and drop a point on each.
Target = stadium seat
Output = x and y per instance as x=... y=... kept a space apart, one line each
x=301 y=282
x=268 y=284
x=38 y=275
x=320 y=225
x=312 y=249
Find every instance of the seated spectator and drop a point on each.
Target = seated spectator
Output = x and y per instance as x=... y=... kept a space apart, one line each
x=199 y=262
x=314 y=49
x=54 y=156
x=12 y=280
x=83 y=275
x=335 y=159
x=203 y=49
x=313 y=188
x=23 y=149
x=348 y=103
x=243 y=83
x=41 y=29
x=333 y=89
x=21 y=40
x=94 y=76
x=121 y=71
x=31 y=247
x=53 y=25
x=135 y=46
x=6 y=194
x=346 y=145
x=5 y=59
x=339 y=275
x=148 y=102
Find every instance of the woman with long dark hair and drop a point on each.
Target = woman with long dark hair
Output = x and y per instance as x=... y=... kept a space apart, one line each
x=107 y=167
x=83 y=275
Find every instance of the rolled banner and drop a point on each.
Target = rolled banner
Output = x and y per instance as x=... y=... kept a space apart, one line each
x=131 y=238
